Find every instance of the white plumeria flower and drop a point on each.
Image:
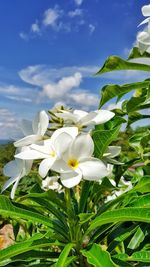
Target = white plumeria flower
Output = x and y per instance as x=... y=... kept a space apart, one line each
x=16 y=169
x=146 y=13
x=124 y=186
x=112 y=152
x=34 y=130
x=77 y=162
x=51 y=149
x=143 y=40
x=83 y=118
x=51 y=183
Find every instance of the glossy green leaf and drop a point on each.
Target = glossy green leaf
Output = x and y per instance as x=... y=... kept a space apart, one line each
x=134 y=103
x=121 y=215
x=136 y=239
x=135 y=116
x=85 y=217
x=141 y=201
x=140 y=256
x=113 y=90
x=98 y=257
x=50 y=195
x=63 y=256
x=33 y=243
x=144 y=185
x=85 y=189
x=117 y=63
x=135 y=53
x=102 y=138
x=10 y=210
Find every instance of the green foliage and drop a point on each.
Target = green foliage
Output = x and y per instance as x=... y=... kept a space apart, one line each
x=98 y=257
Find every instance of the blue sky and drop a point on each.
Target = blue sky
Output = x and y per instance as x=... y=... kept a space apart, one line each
x=49 y=51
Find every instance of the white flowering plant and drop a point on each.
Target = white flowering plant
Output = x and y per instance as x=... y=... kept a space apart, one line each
x=87 y=195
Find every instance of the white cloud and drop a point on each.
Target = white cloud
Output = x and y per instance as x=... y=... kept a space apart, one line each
x=20 y=99
x=41 y=75
x=83 y=98
x=78 y=2
x=18 y=93
x=35 y=27
x=9 y=89
x=35 y=75
x=91 y=28
x=62 y=85
x=9 y=125
x=57 y=20
x=57 y=90
x=24 y=36
x=75 y=13
x=51 y=16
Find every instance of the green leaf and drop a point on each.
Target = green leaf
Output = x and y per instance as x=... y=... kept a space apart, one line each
x=141 y=201
x=117 y=63
x=85 y=189
x=142 y=256
x=63 y=256
x=134 y=103
x=110 y=91
x=135 y=53
x=121 y=215
x=85 y=217
x=144 y=185
x=10 y=210
x=50 y=207
x=98 y=257
x=102 y=138
x=50 y=195
x=135 y=116
x=136 y=239
x=139 y=256
x=33 y=243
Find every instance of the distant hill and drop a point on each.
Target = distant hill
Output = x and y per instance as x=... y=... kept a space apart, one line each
x=5 y=141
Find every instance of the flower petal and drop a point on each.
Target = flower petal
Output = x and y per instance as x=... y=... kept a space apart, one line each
x=45 y=166
x=144 y=38
x=68 y=116
x=60 y=166
x=80 y=113
x=44 y=148
x=82 y=147
x=144 y=21
x=70 y=179
x=146 y=10
x=11 y=169
x=142 y=47
x=61 y=143
x=30 y=154
x=26 y=127
x=8 y=183
x=40 y=123
x=97 y=117
x=93 y=169
x=28 y=140
x=73 y=131
x=113 y=151
x=13 y=190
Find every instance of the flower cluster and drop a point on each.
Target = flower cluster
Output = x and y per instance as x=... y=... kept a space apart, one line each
x=64 y=153
x=143 y=37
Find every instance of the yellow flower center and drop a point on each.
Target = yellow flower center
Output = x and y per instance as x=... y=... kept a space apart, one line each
x=73 y=163
x=52 y=153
